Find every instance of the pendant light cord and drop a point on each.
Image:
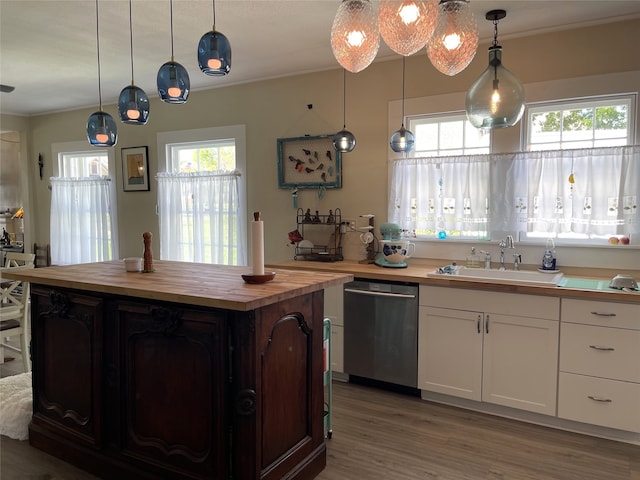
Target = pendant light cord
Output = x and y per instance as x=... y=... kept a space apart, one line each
x=171 y=16
x=214 y=13
x=344 y=98
x=495 y=31
x=131 y=39
x=98 y=45
x=403 y=59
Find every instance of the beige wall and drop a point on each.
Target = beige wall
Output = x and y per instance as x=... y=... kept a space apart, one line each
x=278 y=108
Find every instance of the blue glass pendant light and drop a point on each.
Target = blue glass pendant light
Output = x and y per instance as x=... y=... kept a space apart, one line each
x=496 y=99
x=133 y=104
x=214 y=51
x=173 y=79
x=344 y=141
x=402 y=140
x=101 y=128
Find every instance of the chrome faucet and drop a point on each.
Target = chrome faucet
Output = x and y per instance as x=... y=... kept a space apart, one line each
x=508 y=243
x=487 y=259
x=517 y=260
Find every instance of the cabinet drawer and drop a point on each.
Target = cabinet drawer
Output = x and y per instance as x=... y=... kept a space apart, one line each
x=600 y=351
x=608 y=403
x=606 y=314
x=515 y=304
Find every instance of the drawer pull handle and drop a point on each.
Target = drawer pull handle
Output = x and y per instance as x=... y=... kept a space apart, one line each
x=599 y=399
x=604 y=349
x=599 y=314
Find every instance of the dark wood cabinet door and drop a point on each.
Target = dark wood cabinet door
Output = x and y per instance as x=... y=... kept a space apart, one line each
x=67 y=348
x=278 y=387
x=170 y=371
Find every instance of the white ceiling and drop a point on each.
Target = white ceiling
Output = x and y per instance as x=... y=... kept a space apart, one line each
x=48 y=47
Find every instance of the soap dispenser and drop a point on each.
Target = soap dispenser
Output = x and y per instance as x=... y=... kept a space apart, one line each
x=549 y=257
x=474 y=260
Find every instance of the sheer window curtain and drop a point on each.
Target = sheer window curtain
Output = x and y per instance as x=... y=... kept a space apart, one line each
x=440 y=196
x=199 y=218
x=528 y=192
x=82 y=228
x=582 y=192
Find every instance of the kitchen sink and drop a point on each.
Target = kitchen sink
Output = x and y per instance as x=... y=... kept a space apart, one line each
x=513 y=277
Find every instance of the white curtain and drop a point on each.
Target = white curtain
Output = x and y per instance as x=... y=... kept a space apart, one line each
x=200 y=219
x=561 y=192
x=82 y=229
x=582 y=192
x=440 y=196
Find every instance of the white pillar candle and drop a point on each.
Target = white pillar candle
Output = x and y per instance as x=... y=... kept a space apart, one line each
x=257 y=244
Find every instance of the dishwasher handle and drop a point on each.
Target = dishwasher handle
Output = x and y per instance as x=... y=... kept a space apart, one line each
x=379 y=294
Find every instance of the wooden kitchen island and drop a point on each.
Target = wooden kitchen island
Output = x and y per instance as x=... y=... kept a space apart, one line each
x=185 y=372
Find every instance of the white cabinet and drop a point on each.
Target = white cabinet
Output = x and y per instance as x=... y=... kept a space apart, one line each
x=333 y=309
x=600 y=364
x=488 y=346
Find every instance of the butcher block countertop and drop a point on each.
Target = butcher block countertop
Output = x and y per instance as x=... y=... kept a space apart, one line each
x=206 y=285
x=418 y=268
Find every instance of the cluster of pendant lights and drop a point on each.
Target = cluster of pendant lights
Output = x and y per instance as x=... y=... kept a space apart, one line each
x=448 y=31
x=214 y=58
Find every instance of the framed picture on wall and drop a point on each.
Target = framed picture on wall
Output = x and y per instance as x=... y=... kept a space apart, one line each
x=309 y=162
x=135 y=169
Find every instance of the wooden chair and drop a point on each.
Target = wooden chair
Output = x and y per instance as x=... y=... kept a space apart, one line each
x=14 y=259
x=43 y=255
x=14 y=312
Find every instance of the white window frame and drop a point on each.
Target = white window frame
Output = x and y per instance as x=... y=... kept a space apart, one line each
x=58 y=150
x=513 y=139
x=439 y=119
x=165 y=140
x=533 y=108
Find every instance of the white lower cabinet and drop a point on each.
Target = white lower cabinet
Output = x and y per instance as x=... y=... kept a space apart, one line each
x=333 y=309
x=493 y=347
x=600 y=364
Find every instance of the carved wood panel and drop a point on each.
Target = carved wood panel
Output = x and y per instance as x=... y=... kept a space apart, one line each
x=67 y=346
x=172 y=374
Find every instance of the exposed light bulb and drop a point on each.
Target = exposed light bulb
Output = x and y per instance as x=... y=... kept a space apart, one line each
x=214 y=63
x=495 y=98
x=409 y=13
x=102 y=137
x=355 y=38
x=133 y=114
x=173 y=91
x=452 y=41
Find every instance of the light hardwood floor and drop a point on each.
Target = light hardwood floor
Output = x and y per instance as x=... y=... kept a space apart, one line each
x=388 y=436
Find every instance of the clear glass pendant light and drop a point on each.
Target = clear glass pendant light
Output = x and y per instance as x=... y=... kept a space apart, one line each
x=214 y=51
x=354 y=35
x=101 y=128
x=344 y=141
x=455 y=40
x=173 y=80
x=402 y=140
x=133 y=103
x=407 y=25
x=496 y=99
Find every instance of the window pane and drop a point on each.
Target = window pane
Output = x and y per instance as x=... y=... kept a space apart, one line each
x=451 y=134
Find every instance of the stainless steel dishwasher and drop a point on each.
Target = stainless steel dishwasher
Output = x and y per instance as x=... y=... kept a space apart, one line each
x=381 y=331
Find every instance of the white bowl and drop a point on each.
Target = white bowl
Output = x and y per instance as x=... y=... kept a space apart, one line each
x=133 y=264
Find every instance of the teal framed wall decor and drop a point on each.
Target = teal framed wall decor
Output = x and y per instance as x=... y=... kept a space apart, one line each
x=309 y=162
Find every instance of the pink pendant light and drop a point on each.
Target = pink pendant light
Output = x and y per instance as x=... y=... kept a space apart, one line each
x=455 y=40
x=407 y=25
x=354 y=35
